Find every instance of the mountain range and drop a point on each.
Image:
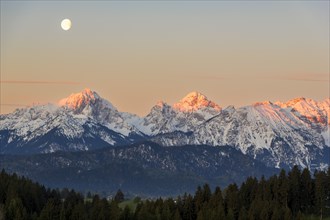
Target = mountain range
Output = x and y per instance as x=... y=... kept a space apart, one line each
x=278 y=135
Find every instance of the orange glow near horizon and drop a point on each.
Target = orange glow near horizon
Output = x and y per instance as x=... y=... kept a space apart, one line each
x=136 y=53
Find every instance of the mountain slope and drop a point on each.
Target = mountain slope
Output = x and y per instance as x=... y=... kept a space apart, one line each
x=83 y=121
x=143 y=169
x=185 y=115
x=279 y=134
x=265 y=131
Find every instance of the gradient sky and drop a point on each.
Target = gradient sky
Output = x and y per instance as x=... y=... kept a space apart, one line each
x=134 y=53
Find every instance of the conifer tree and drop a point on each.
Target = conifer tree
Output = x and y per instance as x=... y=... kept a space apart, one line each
x=119 y=197
x=283 y=188
x=232 y=200
x=248 y=192
x=51 y=210
x=306 y=191
x=276 y=214
x=126 y=214
x=188 y=212
x=320 y=192
x=265 y=211
x=230 y=215
x=114 y=211
x=177 y=215
x=287 y=214
x=15 y=209
x=206 y=193
x=166 y=213
x=198 y=199
x=243 y=215
x=216 y=204
x=294 y=190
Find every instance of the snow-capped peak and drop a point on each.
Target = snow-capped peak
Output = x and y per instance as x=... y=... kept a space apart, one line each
x=75 y=100
x=262 y=103
x=310 y=109
x=297 y=102
x=195 y=101
x=161 y=104
x=80 y=100
x=278 y=134
x=293 y=102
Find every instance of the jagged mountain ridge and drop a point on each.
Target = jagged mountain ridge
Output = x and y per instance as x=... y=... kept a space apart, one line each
x=278 y=134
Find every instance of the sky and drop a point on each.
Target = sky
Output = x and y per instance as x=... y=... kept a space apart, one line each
x=135 y=53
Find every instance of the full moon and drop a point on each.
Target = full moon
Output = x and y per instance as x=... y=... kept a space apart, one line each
x=66 y=24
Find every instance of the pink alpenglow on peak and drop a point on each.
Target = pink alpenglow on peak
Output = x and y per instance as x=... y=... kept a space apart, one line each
x=294 y=101
x=161 y=104
x=314 y=111
x=195 y=101
x=262 y=103
x=76 y=100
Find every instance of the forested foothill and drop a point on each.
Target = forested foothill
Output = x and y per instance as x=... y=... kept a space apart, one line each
x=289 y=195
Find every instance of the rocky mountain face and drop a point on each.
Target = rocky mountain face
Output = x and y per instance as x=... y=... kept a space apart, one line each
x=276 y=134
x=186 y=115
x=279 y=134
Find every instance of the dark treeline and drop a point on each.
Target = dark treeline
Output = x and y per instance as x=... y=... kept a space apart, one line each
x=293 y=195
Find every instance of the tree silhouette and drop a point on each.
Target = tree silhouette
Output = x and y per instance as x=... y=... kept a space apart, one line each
x=119 y=197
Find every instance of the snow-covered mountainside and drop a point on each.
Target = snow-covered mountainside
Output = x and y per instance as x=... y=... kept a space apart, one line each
x=278 y=134
x=82 y=121
x=191 y=111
